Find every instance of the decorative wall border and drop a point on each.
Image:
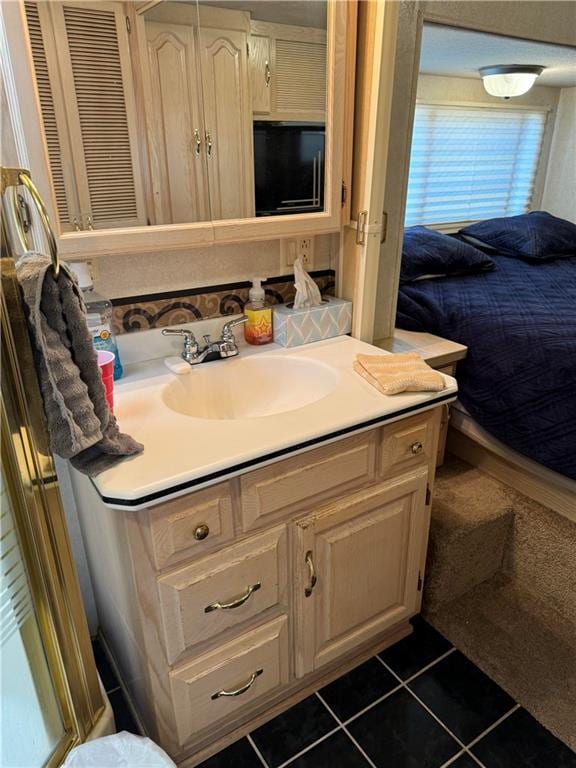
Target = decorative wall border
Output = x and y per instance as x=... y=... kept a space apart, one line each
x=158 y=310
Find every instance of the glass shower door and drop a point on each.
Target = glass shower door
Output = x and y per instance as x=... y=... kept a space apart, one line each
x=32 y=725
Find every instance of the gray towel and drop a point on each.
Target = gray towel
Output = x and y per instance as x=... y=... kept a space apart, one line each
x=81 y=426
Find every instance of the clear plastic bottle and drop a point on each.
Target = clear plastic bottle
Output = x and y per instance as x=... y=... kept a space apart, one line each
x=99 y=314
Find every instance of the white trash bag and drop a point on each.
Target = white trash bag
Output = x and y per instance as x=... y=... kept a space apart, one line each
x=121 y=750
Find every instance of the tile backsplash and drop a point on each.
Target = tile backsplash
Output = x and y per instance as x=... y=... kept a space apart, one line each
x=141 y=313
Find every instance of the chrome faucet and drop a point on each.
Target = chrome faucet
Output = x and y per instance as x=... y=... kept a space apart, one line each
x=225 y=346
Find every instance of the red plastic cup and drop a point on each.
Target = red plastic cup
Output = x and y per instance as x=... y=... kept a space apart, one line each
x=106 y=363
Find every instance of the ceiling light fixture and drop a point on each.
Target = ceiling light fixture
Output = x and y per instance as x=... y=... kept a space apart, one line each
x=509 y=80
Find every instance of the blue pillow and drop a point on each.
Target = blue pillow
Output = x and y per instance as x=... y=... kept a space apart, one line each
x=429 y=253
x=535 y=236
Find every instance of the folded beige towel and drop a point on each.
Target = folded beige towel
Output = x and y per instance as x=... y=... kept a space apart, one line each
x=405 y=372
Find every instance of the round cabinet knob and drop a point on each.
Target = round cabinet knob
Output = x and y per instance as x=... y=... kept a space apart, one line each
x=201 y=532
x=417 y=448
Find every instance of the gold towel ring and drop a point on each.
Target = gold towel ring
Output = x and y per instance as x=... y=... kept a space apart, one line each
x=26 y=181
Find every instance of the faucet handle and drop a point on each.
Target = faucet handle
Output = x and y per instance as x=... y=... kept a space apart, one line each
x=227 y=329
x=189 y=337
x=206 y=338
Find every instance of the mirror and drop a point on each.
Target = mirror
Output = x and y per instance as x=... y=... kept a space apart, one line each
x=176 y=112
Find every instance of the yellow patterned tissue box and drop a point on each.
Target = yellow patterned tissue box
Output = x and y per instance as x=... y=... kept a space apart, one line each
x=293 y=327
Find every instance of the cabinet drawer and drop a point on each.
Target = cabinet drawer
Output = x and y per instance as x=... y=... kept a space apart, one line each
x=191 y=525
x=199 y=601
x=318 y=475
x=250 y=666
x=408 y=443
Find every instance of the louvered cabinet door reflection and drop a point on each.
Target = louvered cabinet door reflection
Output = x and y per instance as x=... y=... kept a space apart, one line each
x=228 y=123
x=53 y=115
x=91 y=41
x=300 y=79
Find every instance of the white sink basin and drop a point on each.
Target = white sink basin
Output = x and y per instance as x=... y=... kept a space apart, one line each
x=246 y=388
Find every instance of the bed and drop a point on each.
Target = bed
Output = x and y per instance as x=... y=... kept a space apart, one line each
x=518 y=382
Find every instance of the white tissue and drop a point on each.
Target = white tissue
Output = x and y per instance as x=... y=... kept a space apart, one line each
x=307 y=292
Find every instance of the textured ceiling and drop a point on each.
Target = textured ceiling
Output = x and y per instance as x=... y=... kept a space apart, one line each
x=303 y=13
x=461 y=52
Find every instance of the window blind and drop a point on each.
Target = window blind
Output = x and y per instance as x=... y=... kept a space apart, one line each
x=15 y=597
x=472 y=162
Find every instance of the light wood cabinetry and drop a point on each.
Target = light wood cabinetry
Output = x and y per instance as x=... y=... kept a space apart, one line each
x=260 y=61
x=287 y=72
x=73 y=146
x=176 y=131
x=296 y=483
x=218 y=684
x=357 y=567
x=200 y=601
x=228 y=131
x=191 y=526
x=197 y=104
x=244 y=596
x=93 y=151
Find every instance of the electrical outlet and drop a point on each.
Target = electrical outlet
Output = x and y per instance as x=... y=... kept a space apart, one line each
x=305 y=250
x=294 y=247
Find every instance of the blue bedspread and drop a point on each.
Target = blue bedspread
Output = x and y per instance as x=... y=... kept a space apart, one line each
x=519 y=323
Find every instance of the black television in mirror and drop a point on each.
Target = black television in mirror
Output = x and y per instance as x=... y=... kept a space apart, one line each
x=288 y=167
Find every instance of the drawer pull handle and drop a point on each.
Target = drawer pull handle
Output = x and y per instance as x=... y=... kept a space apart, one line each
x=241 y=690
x=416 y=447
x=234 y=603
x=201 y=532
x=313 y=578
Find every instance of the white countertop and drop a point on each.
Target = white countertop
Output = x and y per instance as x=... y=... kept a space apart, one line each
x=183 y=453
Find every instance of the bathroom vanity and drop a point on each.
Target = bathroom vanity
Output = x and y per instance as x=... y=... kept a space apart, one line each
x=247 y=558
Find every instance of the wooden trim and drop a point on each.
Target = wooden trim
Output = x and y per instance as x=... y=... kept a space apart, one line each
x=349 y=96
x=436 y=351
x=541 y=489
x=377 y=27
x=288 y=31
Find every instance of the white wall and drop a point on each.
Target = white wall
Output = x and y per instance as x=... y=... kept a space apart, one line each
x=117 y=276
x=559 y=195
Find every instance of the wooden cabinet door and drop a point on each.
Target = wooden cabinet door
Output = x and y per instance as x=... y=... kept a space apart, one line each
x=357 y=568
x=91 y=45
x=173 y=95
x=260 y=73
x=228 y=121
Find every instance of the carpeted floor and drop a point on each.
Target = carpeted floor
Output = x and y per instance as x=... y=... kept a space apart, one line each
x=518 y=625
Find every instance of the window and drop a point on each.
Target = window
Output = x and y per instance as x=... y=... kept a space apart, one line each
x=472 y=162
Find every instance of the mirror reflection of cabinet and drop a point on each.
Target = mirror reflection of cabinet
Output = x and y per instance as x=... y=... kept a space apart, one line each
x=177 y=170
x=151 y=110
x=195 y=81
x=288 y=71
x=224 y=54
x=89 y=143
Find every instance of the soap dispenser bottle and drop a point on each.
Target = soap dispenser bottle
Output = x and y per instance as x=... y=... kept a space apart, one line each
x=258 y=327
x=98 y=314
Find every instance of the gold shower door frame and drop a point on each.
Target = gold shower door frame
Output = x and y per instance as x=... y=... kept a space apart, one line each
x=33 y=490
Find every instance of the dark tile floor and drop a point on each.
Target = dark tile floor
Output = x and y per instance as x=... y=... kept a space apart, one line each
x=419 y=704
